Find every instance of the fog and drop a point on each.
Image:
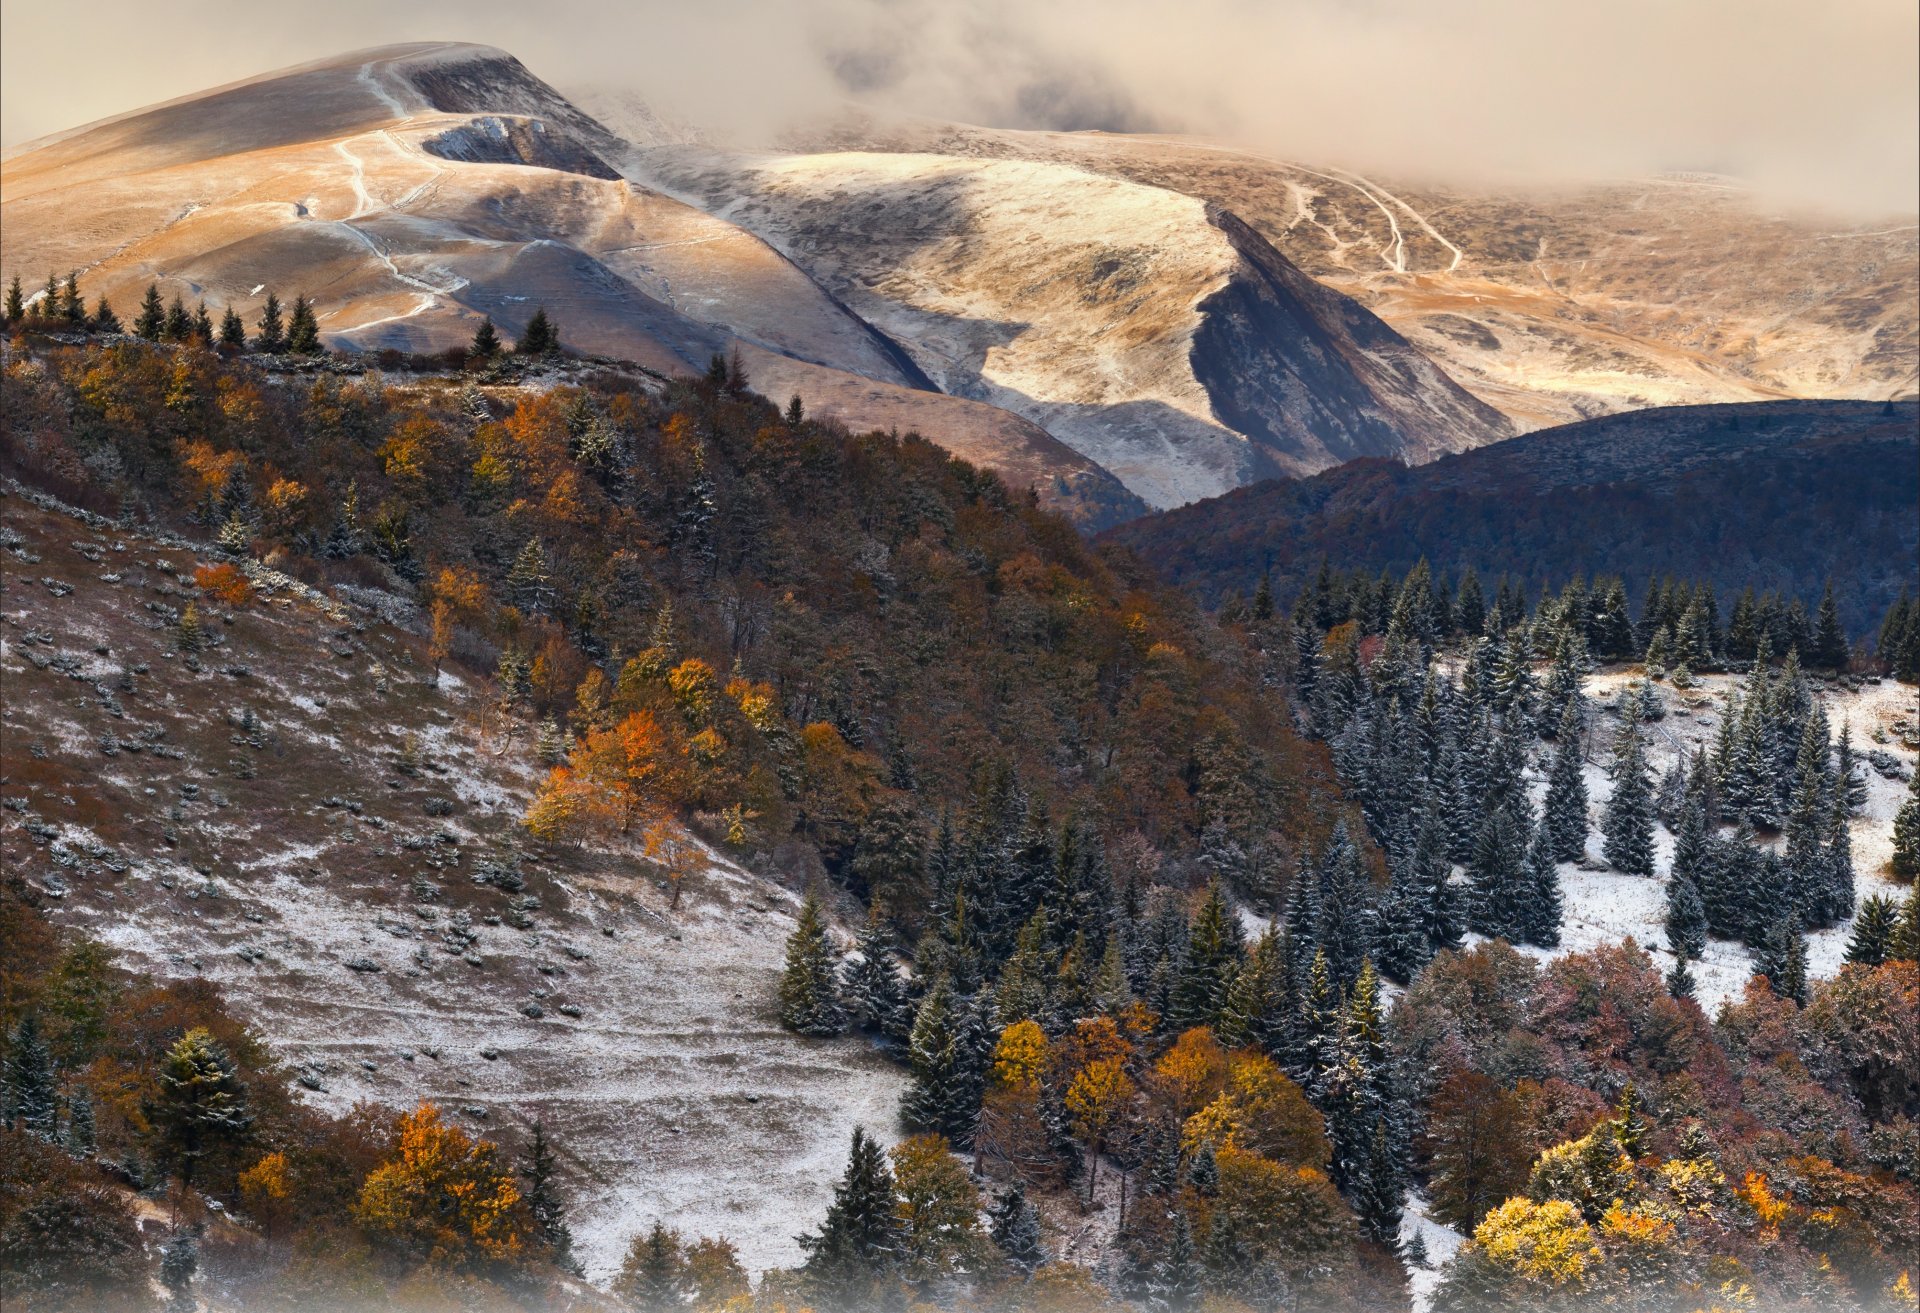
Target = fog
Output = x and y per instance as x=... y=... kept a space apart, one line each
x=1815 y=106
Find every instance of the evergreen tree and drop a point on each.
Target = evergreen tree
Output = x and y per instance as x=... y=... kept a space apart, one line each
x=1014 y=1224
x=1830 y=651
x=233 y=332
x=486 y=340
x=271 y=337
x=104 y=319
x=1906 y=833
x=853 y=1259
x=152 y=321
x=538 y=1169
x=1679 y=979
x=651 y=1280
x=1848 y=776
x=1381 y=1191
x=202 y=1103
x=1566 y=801
x=1904 y=944
x=1630 y=1122
x=179 y=324
x=943 y=1094
x=809 y=989
x=1440 y=910
x=1873 y=928
x=1543 y=906
x=1176 y=1285
x=1782 y=958
x=1627 y=823
x=1501 y=883
x=16 y=307
x=303 y=328
x=179 y=1260
x=1686 y=918
x=81 y=1140
x=73 y=308
x=30 y=1098
x=539 y=337
x=874 y=989
x=529 y=582
x=1216 y=948
x=202 y=326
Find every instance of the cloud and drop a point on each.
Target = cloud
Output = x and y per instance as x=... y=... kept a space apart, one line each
x=1816 y=105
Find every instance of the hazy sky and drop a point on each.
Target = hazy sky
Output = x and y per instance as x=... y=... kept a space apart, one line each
x=1816 y=103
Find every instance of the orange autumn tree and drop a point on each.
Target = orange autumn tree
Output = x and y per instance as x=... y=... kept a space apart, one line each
x=444 y=1197
x=615 y=776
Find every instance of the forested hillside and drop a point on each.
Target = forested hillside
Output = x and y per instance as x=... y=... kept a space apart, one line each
x=1777 y=496
x=1219 y=956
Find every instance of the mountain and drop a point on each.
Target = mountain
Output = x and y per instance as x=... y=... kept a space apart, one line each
x=1780 y=495
x=411 y=190
x=1152 y=332
x=1111 y=344
x=1551 y=304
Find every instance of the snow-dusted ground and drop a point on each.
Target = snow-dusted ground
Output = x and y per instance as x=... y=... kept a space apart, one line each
x=1442 y=1242
x=1604 y=906
x=673 y=1093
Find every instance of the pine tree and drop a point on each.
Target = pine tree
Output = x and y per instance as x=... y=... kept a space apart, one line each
x=1381 y=1191
x=152 y=322
x=202 y=325
x=233 y=331
x=539 y=337
x=1906 y=834
x=1686 y=918
x=1216 y=948
x=1782 y=958
x=1501 y=883
x=1679 y=979
x=943 y=1095
x=538 y=1169
x=1014 y=1224
x=179 y=324
x=1873 y=928
x=271 y=338
x=1543 y=906
x=201 y=1103
x=30 y=1099
x=1627 y=823
x=1830 y=651
x=852 y=1260
x=1849 y=778
x=16 y=301
x=877 y=996
x=104 y=319
x=179 y=1260
x=73 y=308
x=809 y=989
x=486 y=341
x=303 y=328
x=1176 y=1282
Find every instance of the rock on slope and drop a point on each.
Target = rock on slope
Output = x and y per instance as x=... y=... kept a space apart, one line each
x=262 y=821
x=412 y=189
x=1778 y=494
x=1150 y=332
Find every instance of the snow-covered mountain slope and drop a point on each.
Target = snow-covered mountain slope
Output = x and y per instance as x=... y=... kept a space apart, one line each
x=410 y=190
x=301 y=817
x=1147 y=330
x=1551 y=304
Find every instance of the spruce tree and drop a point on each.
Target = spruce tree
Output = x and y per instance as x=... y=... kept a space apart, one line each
x=233 y=331
x=651 y=1280
x=1906 y=834
x=1543 y=906
x=30 y=1100
x=1381 y=1191
x=104 y=319
x=1679 y=979
x=271 y=337
x=202 y=326
x=1176 y=1284
x=1686 y=918
x=1216 y=947
x=1781 y=957
x=1830 y=650
x=486 y=341
x=538 y=337
x=1501 y=883
x=1903 y=945
x=809 y=989
x=202 y=1103
x=152 y=321
x=1627 y=822
x=1014 y=1225
x=1873 y=928
x=179 y=1260
x=73 y=308
x=16 y=301
x=303 y=328
x=538 y=1168
x=943 y=1093
x=1566 y=800
x=179 y=324
x=852 y=1260
x=874 y=990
